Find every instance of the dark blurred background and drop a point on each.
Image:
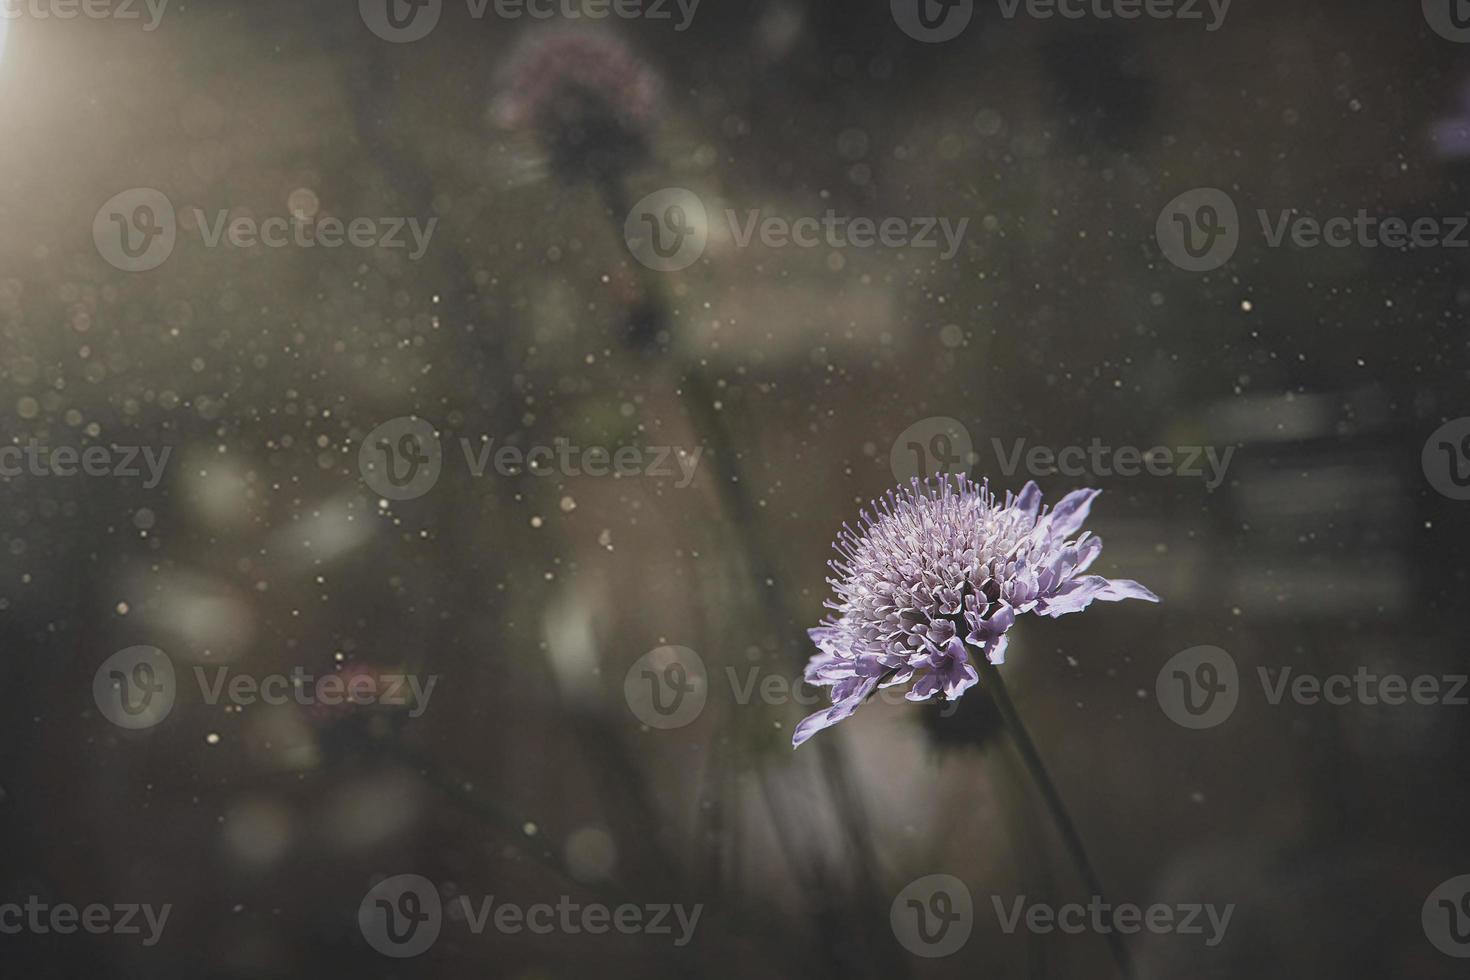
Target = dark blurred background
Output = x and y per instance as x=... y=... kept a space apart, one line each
x=530 y=776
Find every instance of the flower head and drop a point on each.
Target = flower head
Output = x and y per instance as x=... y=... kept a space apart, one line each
x=938 y=574
x=593 y=101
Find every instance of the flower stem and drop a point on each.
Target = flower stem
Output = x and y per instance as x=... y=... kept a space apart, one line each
x=992 y=683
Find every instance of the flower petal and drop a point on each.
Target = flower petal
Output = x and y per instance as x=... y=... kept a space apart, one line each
x=1028 y=501
x=925 y=687
x=843 y=709
x=960 y=680
x=1070 y=512
x=991 y=628
x=1079 y=593
x=1089 y=546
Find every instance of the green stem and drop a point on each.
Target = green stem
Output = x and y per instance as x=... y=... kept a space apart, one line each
x=992 y=683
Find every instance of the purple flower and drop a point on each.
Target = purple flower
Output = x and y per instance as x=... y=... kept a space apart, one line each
x=937 y=575
x=1451 y=136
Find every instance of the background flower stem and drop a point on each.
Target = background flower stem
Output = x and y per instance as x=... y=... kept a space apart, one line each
x=992 y=683
x=650 y=317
